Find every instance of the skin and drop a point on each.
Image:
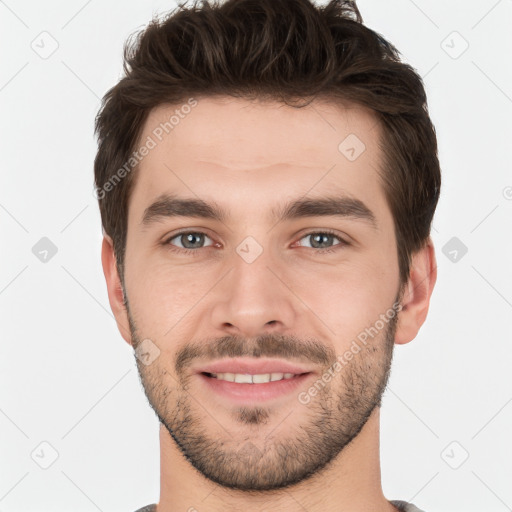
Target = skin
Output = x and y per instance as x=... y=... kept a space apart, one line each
x=251 y=157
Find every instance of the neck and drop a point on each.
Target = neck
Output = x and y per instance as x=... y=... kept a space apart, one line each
x=351 y=482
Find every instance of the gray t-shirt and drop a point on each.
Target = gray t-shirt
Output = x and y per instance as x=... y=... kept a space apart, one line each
x=403 y=506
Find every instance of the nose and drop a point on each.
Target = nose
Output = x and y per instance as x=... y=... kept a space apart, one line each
x=254 y=299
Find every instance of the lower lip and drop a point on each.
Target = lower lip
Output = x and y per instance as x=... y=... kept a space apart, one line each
x=244 y=392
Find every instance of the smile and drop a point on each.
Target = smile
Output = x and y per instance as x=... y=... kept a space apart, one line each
x=246 y=378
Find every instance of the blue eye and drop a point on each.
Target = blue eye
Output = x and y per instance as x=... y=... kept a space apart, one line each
x=323 y=237
x=187 y=239
x=191 y=241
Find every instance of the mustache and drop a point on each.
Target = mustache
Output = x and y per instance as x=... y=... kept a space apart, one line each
x=266 y=345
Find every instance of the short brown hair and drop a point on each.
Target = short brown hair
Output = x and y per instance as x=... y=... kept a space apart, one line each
x=282 y=50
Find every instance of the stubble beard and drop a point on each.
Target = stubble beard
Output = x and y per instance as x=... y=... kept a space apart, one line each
x=236 y=454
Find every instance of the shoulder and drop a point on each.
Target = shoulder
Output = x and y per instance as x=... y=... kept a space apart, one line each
x=147 y=508
x=403 y=506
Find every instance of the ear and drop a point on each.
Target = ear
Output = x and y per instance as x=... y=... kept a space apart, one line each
x=114 y=288
x=417 y=292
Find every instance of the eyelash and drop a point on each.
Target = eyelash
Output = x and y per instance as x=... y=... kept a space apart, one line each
x=195 y=252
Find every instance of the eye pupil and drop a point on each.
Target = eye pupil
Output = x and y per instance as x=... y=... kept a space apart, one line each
x=189 y=237
x=318 y=237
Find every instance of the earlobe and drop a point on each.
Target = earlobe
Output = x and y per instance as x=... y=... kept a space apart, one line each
x=114 y=288
x=417 y=293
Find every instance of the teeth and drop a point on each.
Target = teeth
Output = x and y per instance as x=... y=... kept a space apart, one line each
x=242 y=378
x=252 y=379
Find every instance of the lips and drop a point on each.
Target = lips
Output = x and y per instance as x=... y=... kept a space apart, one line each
x=243 y=393
x=253 y=366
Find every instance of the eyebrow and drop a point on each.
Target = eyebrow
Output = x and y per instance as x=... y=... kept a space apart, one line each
x=169 y=206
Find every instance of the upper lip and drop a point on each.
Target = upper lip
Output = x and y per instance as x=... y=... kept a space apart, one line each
x=252 y=366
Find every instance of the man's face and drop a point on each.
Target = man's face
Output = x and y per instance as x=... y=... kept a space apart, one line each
x=298 y=291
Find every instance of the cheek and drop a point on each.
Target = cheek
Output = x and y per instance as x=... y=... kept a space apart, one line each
x=163 y=296
x=346 y=294
x=348 y=298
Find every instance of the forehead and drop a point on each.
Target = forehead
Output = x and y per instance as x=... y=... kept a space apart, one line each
x=249 y=151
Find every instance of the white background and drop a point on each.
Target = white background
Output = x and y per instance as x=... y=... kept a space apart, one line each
x=66 y=376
